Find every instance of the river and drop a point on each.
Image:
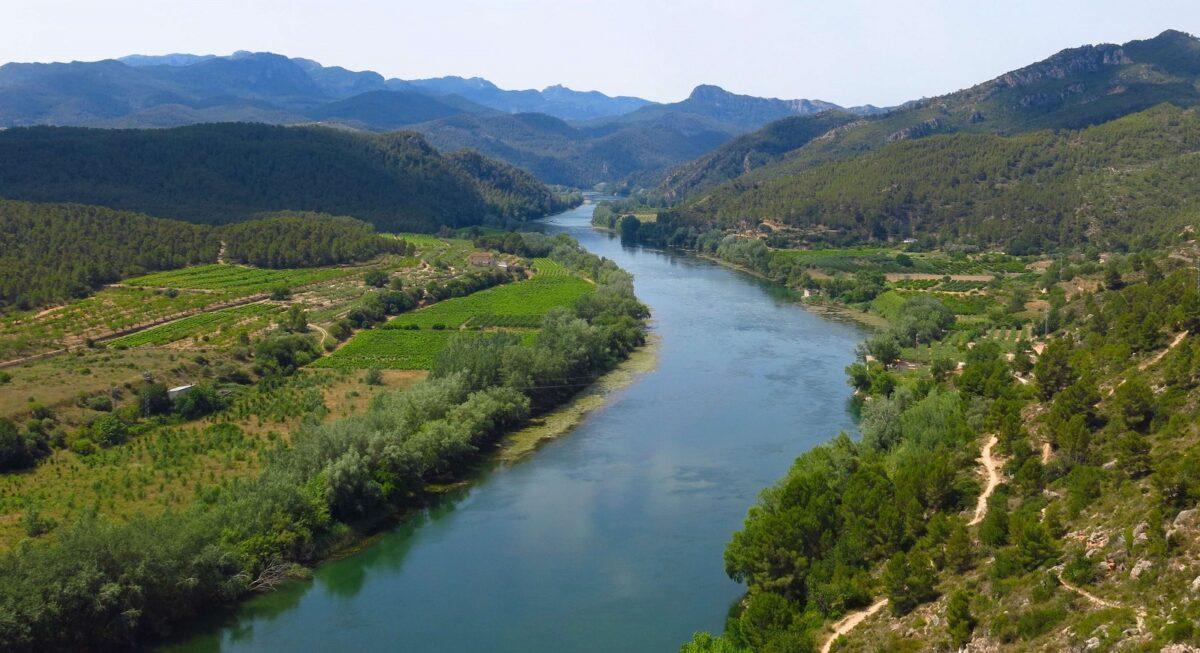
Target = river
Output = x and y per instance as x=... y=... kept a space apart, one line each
x=611 y=537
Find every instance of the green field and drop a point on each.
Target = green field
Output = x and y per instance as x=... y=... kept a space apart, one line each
x=194 y=325
x=526 y=300
x=395 y=349
x=412 y=340
x=237 y=278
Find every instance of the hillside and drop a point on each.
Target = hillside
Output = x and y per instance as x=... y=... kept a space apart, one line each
x=227 y=172
x=52 y=252
x=1073 y=89
x=749 y=152
x=1105 y=185
x=1013 y=489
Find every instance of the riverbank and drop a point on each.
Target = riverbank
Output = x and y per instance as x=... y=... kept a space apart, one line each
x=560 y=421
x=834 y=310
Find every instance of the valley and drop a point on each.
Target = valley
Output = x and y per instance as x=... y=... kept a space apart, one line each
x=298 y=357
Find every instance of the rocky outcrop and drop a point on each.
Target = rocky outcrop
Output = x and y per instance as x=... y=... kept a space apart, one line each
x=1076 y=61
x=931 y=126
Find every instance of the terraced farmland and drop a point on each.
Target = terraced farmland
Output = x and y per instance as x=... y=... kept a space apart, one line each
x=192 y=326
x=237 y=278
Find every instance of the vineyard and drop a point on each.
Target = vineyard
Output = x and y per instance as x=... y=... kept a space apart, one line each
x=112 y=309
x=411 y=341
x=393 y=349
x=527 y=300
x=237 y=278
x=193 y=326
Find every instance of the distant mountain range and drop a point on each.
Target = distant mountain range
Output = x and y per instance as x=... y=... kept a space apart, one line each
x=565 y=136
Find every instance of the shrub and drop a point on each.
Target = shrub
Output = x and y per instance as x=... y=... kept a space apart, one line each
x=108 y=430
x=83 y=446
x=101 y=403
x=17 y=450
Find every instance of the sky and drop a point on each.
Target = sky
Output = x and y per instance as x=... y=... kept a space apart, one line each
x=847 y=51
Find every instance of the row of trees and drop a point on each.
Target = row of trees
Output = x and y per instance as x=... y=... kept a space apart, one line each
x=300 y=240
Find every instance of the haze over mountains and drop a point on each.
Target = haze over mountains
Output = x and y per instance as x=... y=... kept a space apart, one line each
x=565 y=136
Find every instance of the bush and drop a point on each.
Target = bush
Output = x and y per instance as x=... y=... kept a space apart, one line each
x=959 y=620
x=20 y=451
x=83 y=446
x=108 y=430
x=197 y=402
x=153 y=399
x=101 y=403
x=376 y=278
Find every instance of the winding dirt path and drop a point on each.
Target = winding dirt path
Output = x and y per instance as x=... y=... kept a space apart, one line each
x=992 y=473
x=324 y=334
x=848 y=622
x=1139 y=613
x=1159 y=356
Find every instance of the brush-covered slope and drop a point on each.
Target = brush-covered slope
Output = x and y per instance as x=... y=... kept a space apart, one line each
x=1105 y=185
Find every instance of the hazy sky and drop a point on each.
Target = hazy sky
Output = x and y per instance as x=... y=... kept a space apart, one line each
x=845 y=51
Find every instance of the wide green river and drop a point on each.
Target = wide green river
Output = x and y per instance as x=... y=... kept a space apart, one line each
x=609 y=538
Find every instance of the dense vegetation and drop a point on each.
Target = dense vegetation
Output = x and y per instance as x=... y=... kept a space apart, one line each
x=1105 y=507
x=1107 y=185
x=101 y=584
x=299 y=240
x=53 y=252
x=218 y=173
x=749 y=152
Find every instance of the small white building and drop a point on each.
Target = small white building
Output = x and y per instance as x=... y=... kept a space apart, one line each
x=180 y=390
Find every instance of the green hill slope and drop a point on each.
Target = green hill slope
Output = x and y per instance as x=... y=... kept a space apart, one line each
x=1072 y=90
x=221 y=173
x=1104 y=185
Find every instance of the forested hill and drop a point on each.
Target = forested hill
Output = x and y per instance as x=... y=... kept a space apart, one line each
x=1073 y=89
x=1105 y=185
x=51 y=252
x=750 y=152
x=221 y=173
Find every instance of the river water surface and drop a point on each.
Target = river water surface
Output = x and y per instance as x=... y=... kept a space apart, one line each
x=609 y=538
